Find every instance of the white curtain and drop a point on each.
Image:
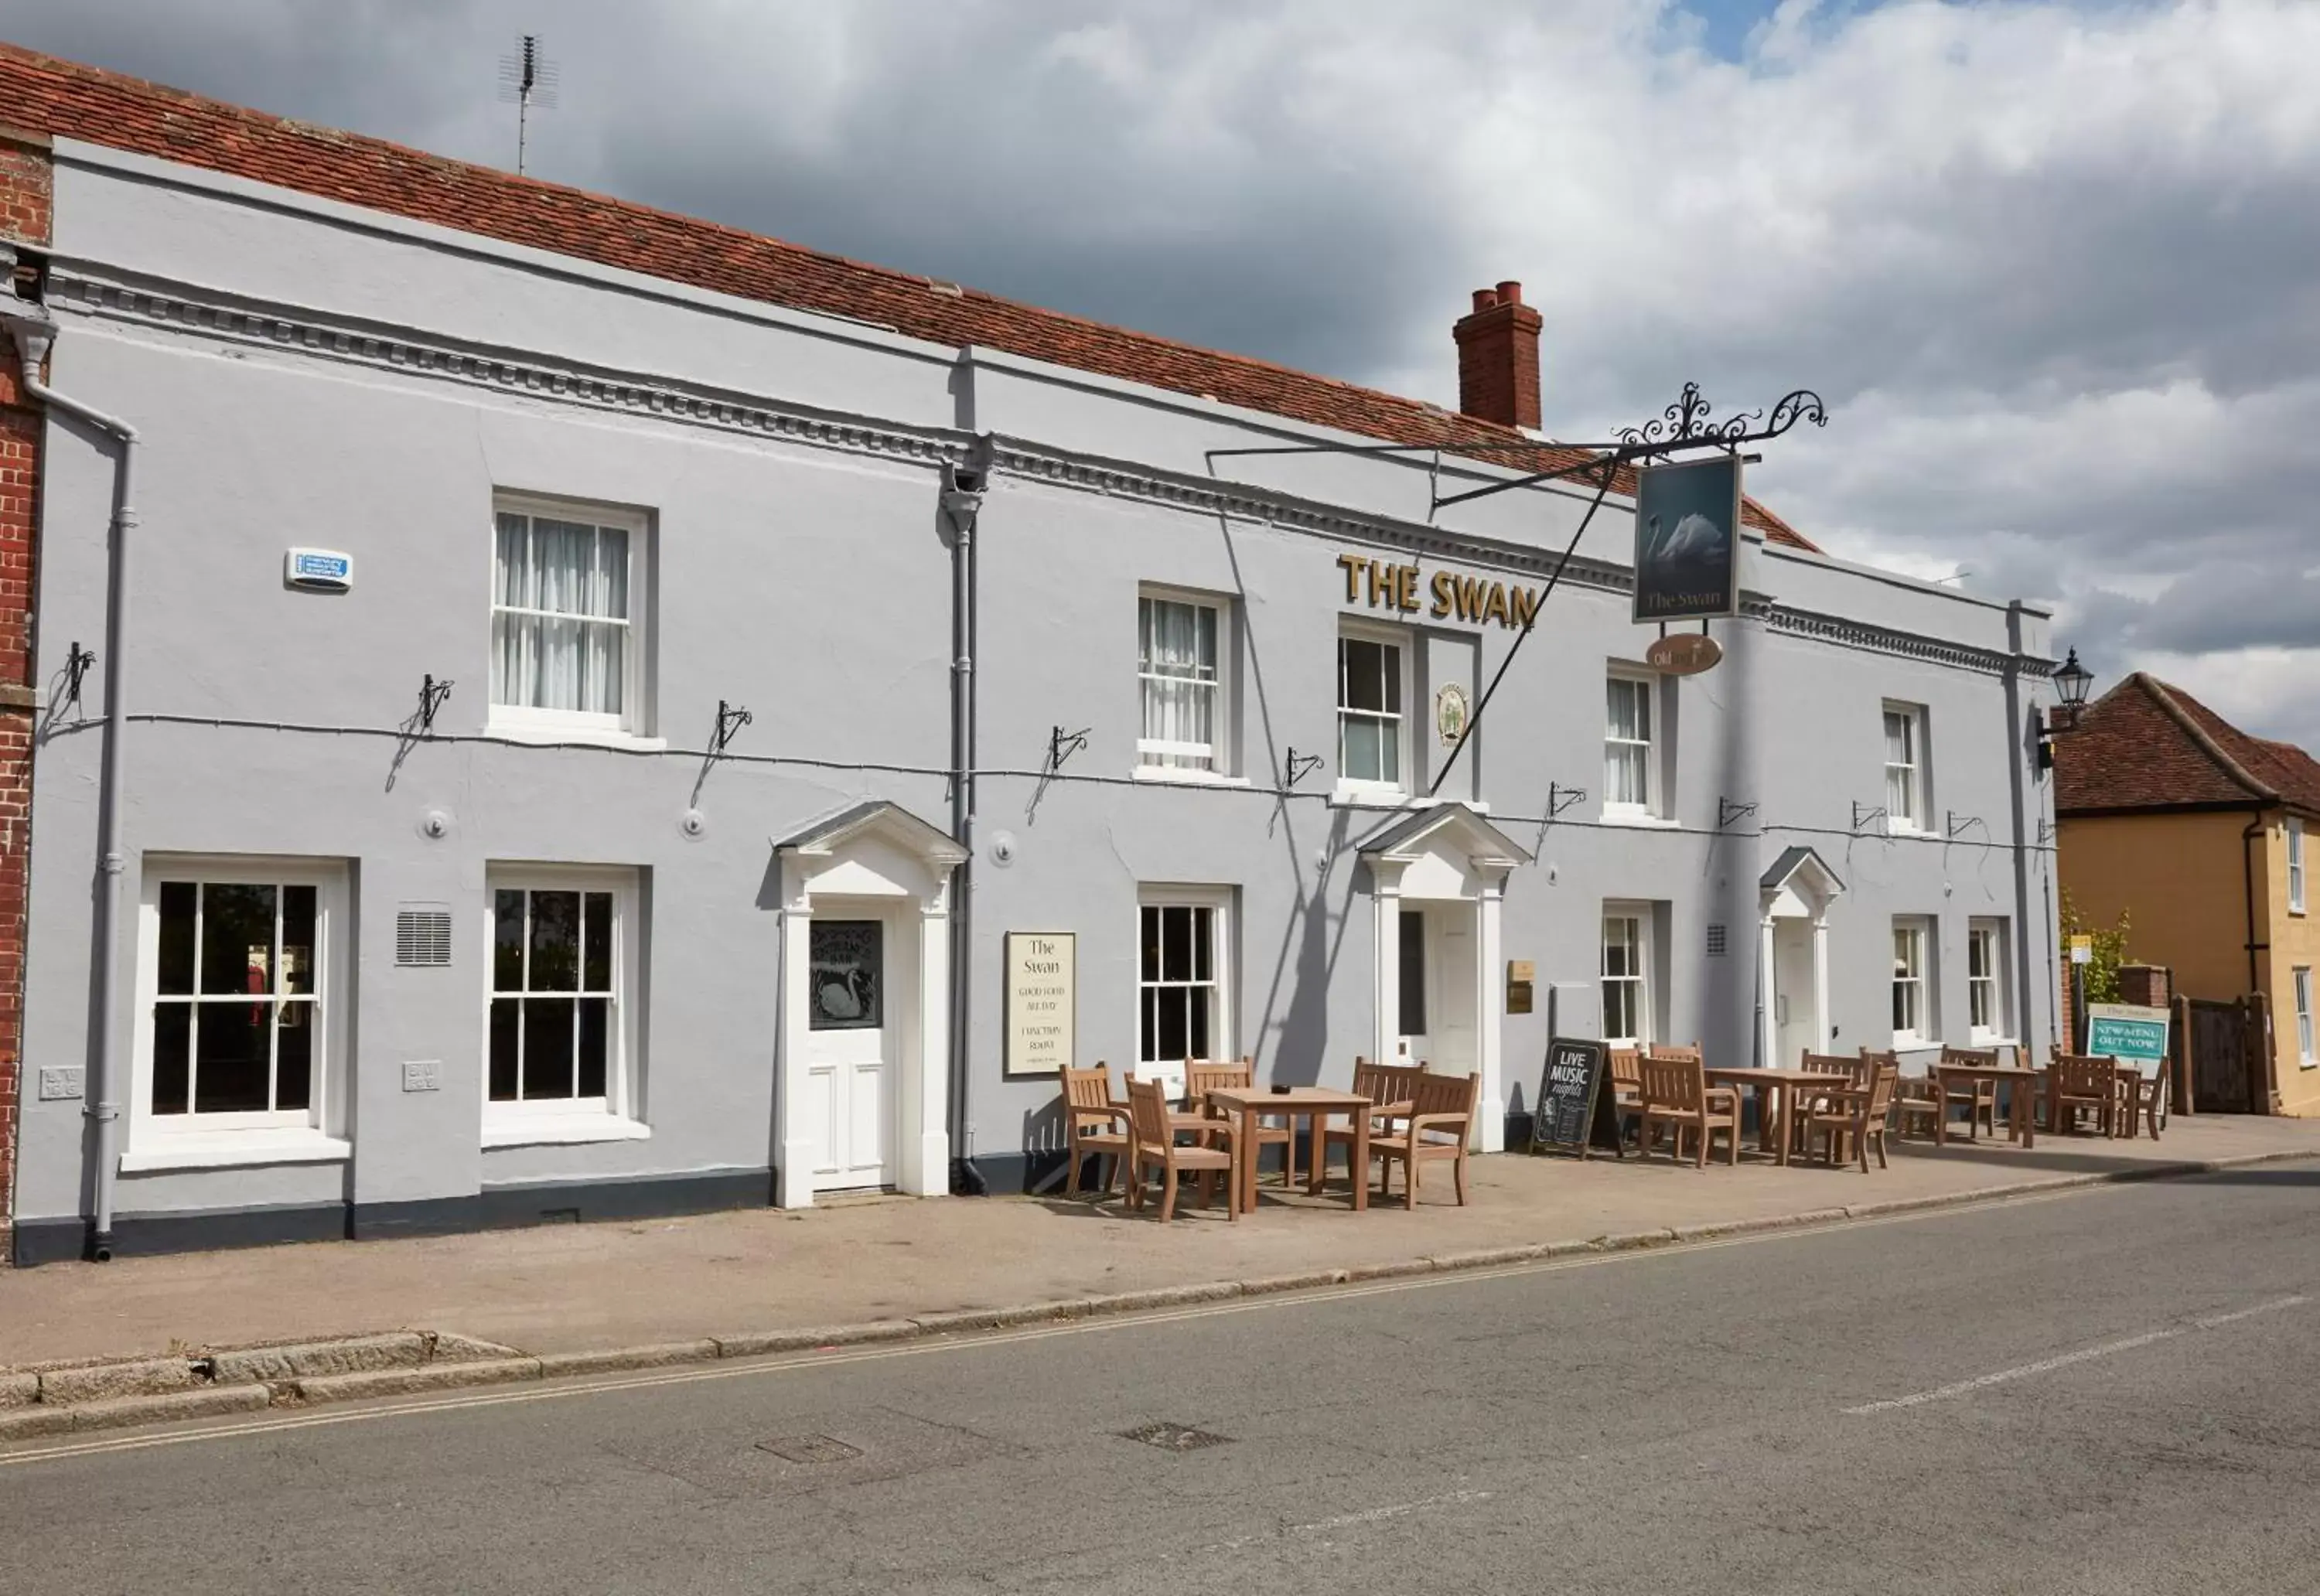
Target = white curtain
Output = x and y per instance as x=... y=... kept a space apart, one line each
x=1901 y=766
x=557 y=584
x=1179 y=668
x=1626 y=752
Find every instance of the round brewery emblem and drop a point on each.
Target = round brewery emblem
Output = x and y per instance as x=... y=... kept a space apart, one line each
x=1684 y=653
x=1450 y=712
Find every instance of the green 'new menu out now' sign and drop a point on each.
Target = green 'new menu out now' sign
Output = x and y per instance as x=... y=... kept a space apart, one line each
x=2129 y=1033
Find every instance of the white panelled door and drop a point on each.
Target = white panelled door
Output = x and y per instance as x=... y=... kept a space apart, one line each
x=1456 y=1050
x=850 y=1054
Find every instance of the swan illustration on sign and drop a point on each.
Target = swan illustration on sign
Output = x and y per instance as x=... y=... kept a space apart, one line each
x=1687 y=540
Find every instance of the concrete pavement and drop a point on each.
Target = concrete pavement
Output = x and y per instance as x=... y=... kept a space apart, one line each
x=579 y=1288
x=2109 y=1393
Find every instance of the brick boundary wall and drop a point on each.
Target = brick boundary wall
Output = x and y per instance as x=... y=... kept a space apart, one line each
x=26 y=188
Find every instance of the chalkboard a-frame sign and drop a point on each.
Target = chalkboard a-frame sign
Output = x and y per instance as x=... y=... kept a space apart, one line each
x=1574 y=1110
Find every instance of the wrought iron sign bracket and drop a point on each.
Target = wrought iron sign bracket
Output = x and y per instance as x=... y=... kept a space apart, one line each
x=431 y=695
x=1954 y=823
x=1062 y=745
x=1864 y=815
x=1560 y=798
x=1296 y=766
x=1682 y=427
x=1727 y=811
x=730 y=719
x=78 y=662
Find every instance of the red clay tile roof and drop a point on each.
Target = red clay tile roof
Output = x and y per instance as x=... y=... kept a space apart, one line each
x=43 y=95
x=2146 y=745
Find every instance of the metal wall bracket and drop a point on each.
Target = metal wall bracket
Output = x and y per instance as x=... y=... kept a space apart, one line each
x=730 y=719
x=1560 y=798
x=1062 y=745
x=1727 y=811
x=78 y=662
x=1864 y=815
x=1296 y=766
x=431 y=695
x=1953 y=823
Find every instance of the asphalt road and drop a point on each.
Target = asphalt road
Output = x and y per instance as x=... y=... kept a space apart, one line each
x=2114 y=1392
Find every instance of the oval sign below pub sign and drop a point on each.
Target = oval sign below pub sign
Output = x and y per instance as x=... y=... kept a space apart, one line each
x=1684 y=653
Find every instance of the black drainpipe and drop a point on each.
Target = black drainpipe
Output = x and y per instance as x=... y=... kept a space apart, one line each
x=2247 y=872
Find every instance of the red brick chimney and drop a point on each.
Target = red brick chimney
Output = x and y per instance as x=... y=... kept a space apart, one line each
x=1498 y=357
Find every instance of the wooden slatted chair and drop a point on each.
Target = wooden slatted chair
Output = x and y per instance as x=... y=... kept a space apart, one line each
x=1978 y=1098
x=2140 y=1100
x=1857 y=1073
x=1155 y=1129
x=1441 y=1123
x=1389 y=1087
x=1856 y=1115
x=1676 y=1093
x=2074 y=1082
x=1095 y=1125
x=1202 y=1077
x=1625 y=1067
x=1916 y=1099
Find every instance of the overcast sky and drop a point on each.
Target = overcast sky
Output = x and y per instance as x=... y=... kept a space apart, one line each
x=2055 y=267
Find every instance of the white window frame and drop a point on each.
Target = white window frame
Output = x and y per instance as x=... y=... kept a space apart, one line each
x=1647 y=685
x=193 y=1140
x=613 y=1116
x=1639 y=915
x=1402 y=640
x=2306 y=1057
x=2294 y=866
x=1151 y=757
x=1920 y=784
x=525 y=723
x=1217 y=900
x=1992 y=991
x=1926 y=1031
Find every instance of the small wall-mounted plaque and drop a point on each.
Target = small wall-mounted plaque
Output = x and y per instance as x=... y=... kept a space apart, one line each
x=1520 y=975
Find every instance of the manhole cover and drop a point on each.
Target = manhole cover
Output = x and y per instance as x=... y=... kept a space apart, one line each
x=810 y=1448
x=1174 y=1437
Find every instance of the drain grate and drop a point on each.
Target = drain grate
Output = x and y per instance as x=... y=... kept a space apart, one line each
x=1174 y=1437
x=810 y=1448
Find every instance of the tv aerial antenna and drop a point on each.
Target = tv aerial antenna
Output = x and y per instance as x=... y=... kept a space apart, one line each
x=527 y=78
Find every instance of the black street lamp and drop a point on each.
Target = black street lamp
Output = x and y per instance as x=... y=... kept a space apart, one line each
x=2070 y=684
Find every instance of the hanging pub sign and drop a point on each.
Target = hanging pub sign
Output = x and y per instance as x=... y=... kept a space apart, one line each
x=1688 y=540
x=1042 y=1000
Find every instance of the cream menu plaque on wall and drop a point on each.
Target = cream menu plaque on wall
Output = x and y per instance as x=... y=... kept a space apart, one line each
x=1042 y=1002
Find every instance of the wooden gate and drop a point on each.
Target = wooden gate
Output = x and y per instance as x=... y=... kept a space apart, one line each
x=2225 y=1042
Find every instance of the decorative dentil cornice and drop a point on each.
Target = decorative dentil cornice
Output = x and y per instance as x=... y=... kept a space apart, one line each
x=81 y=289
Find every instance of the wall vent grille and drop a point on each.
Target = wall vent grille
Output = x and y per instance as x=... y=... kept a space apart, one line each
x=422 y=935
x=1715 y=941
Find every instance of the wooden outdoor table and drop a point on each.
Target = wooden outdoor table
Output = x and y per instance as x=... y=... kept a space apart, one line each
x=2020 y=1121
x=1776 y=1091
x=1316 y=1104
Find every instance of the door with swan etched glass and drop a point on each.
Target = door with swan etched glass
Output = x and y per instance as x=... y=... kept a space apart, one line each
x=850 y=1065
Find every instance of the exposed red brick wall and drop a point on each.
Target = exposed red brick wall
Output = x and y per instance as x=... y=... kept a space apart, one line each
x=25 y=190
x=2145 y=984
